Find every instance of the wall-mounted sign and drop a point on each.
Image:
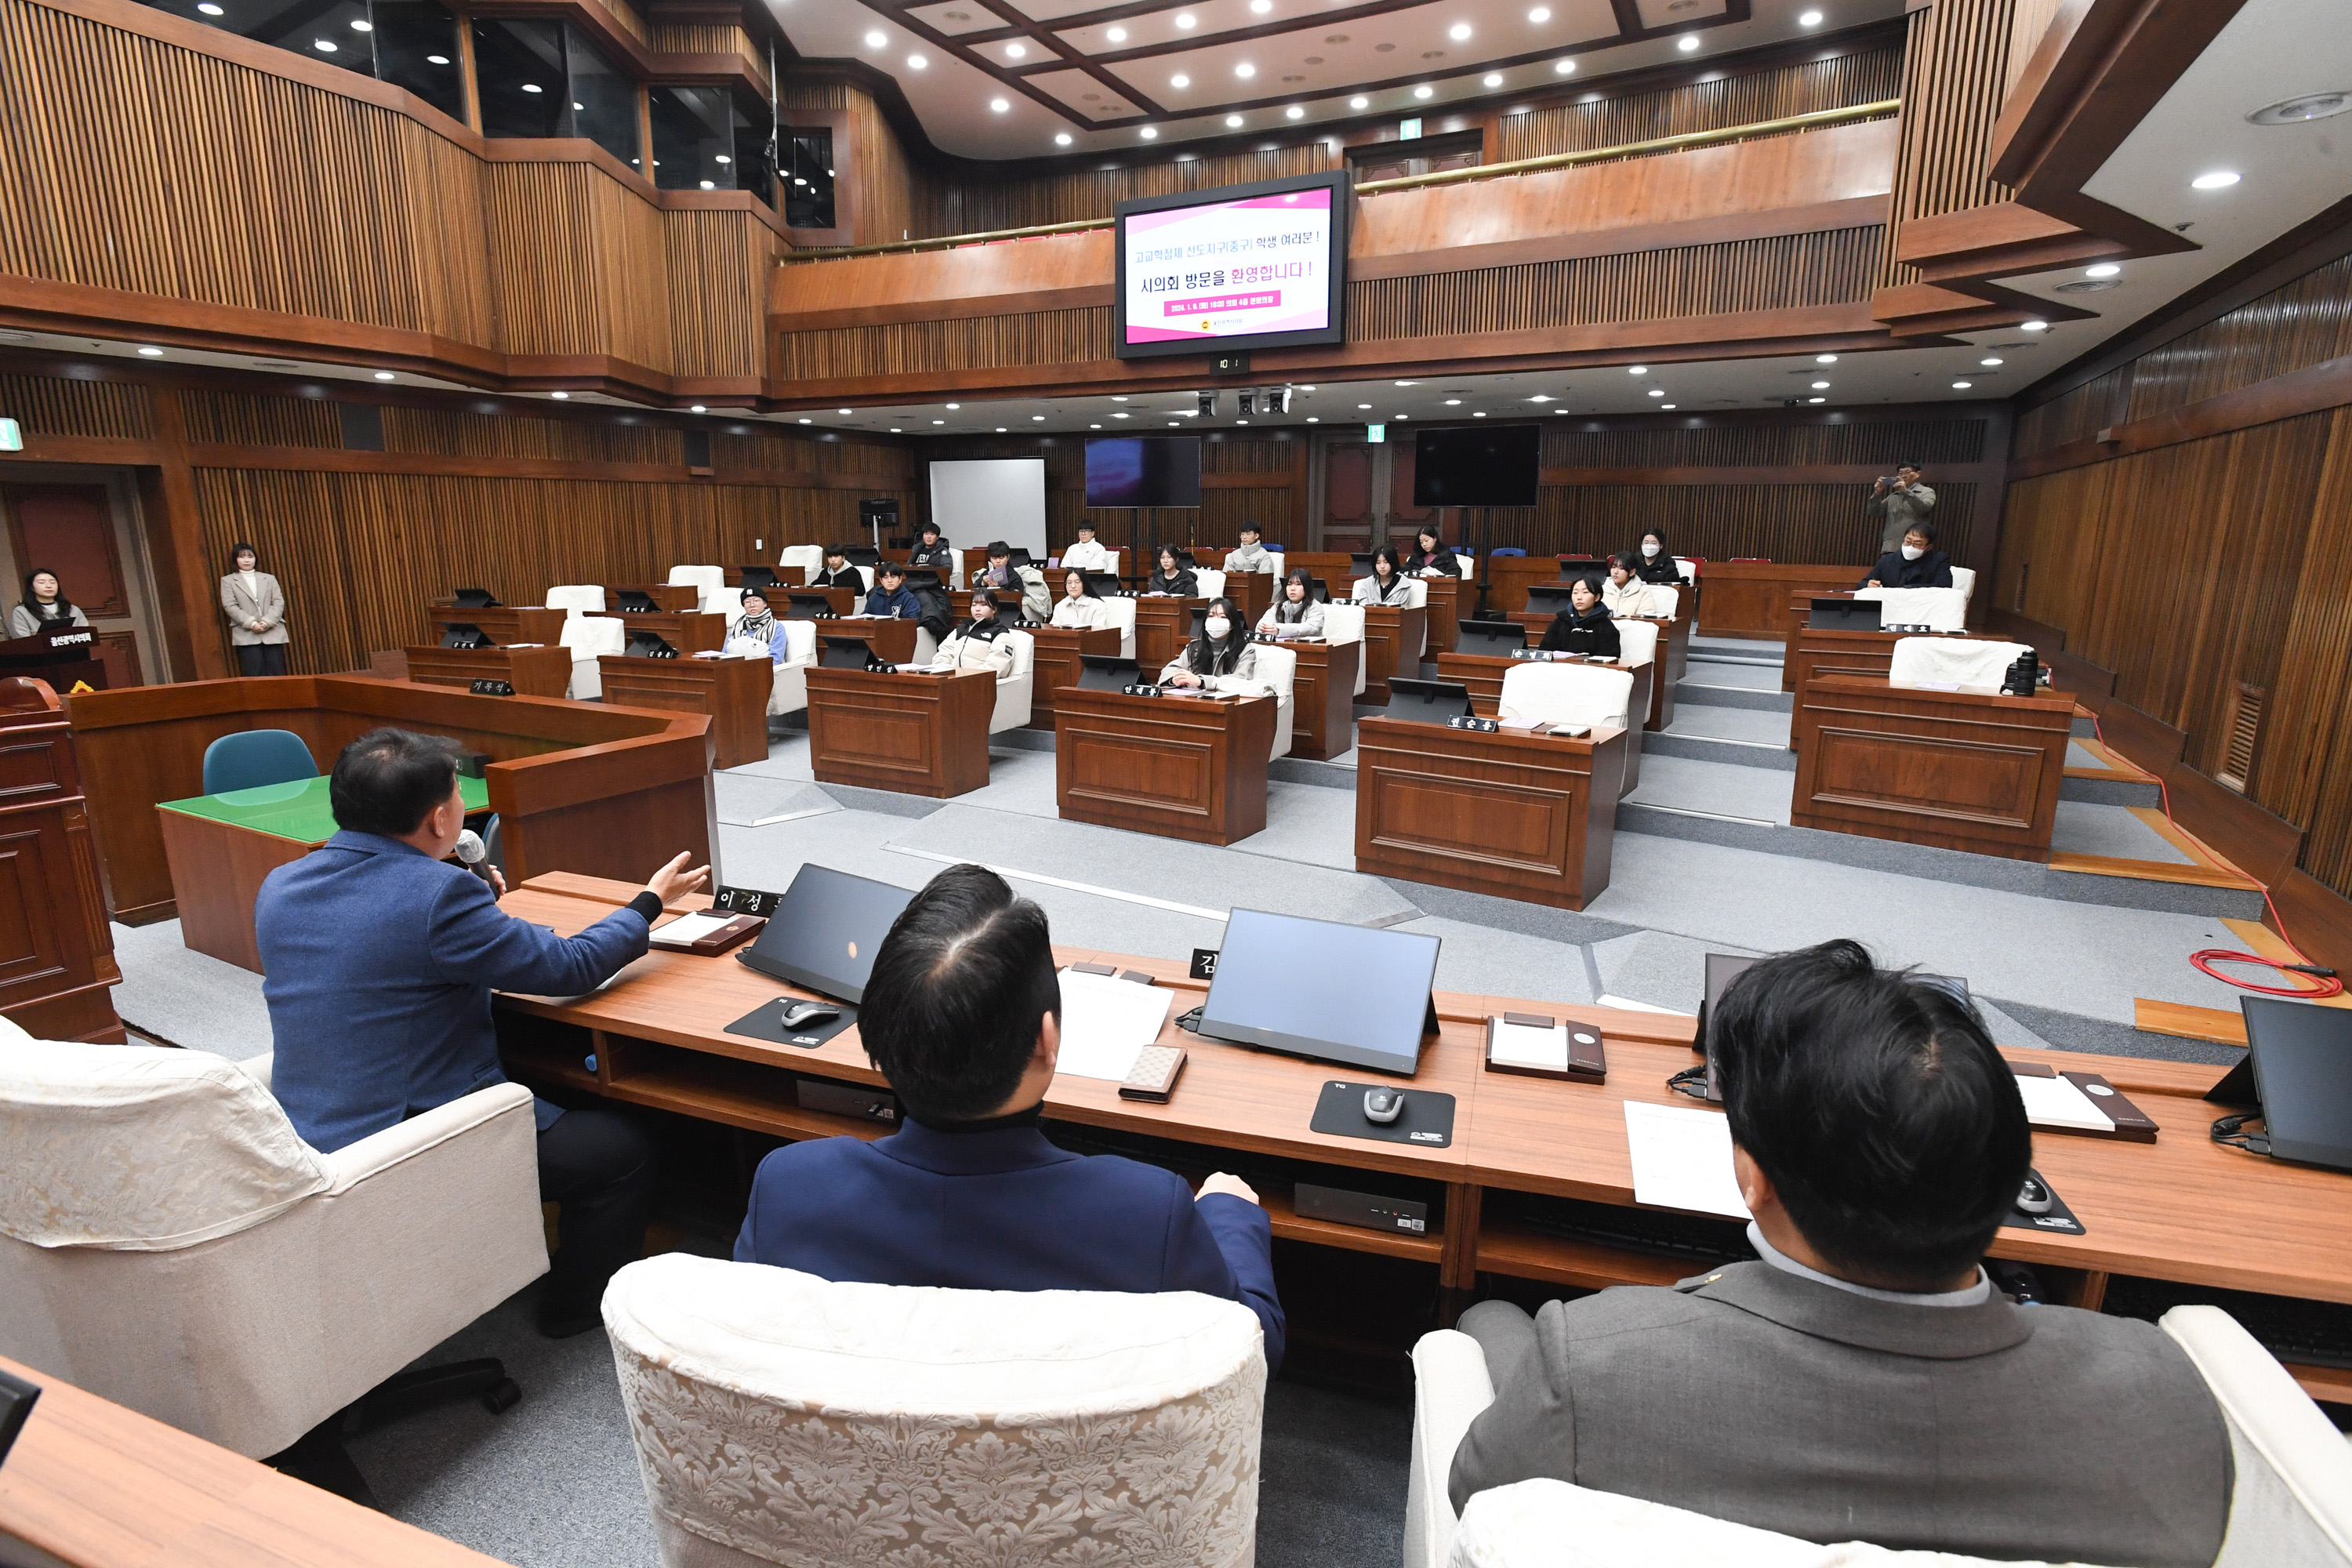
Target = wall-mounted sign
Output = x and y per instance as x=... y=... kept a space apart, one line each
x=12 y=436
x=1408 y=129
x=1376 y=432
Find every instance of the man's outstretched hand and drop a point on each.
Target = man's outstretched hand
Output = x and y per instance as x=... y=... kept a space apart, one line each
x=673 y=880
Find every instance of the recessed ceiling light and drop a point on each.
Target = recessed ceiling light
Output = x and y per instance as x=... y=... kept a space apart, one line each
x=1989 y=362
x=1459 y=32
x=437 y=59
x=953 y=406
x=1542 y=14
x=2296 y=111
x=842 y=411
x=916 y=62
x=876 y=40
x=713 y=185
x=1962 y=385
x=209 y=9
x=1062 y=139
x=1000 y=429
x=1562 y=67
x=1817 y=400
x=1121 y=413
x=1407 y=384
x=362 y=27
x=1310 y=419
x=1657 y=392
x=1540 y=397
x=1241 y=421
x=1148 y=133
x=998 y=105
x=1363 y=406
x=150 y=351
x=1295 y=112
x=1360 y=101
x=1039 y=417
x=532 y=86
x=808 y=421
x=2103 y=269
x=1094 y=426
x=1232 y=123
x=1186 y=20
x=1665 y=406
x=1261 y=7
x=2219 y=179
x=1810 y=20
x=942 y=421
x=326 y=47
x=1452 y=403
x=1478 y=414
x=2033 y=326
x=1423 y=91
x=1821 y=385
x=721 y=157
x=1689 y=42
x=1116 y=35
x=1117 y=397
x=1492 y=79
x=387 y=375
x=1305 y=388
x=1637 y=370
x=1826 y=359
x=1404 y=415
x=1246 y=70
x=1016 y=51
x=559 y=396
x=1180 y=79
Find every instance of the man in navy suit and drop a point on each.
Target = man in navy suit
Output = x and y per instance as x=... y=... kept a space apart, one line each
x=962 y=1013
x=381 y=955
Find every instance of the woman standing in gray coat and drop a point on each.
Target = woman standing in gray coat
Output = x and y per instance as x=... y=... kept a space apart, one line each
x=255 y=607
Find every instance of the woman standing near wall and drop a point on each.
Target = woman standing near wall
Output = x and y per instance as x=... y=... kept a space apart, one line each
x=255 y=607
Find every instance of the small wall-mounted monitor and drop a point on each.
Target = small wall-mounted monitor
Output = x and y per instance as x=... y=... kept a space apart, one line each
x=1482 y=465
x=1259 y=266
x=1143 y=470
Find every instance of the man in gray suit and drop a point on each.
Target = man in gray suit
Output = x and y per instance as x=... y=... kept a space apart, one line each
x=1900 y=505
x=256 y=608
x=1862 y=1380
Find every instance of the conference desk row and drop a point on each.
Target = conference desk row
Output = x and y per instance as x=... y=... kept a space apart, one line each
x=1524 y=1152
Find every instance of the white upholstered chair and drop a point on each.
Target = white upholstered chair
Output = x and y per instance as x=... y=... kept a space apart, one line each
x=590 y=637
x=1637 y=641
x=1963 y=662
x=1687 y=567
x=2291 y=1501
x=1945 y=609
x=1344 y=622
x=1668 y=599
x=1416 y=597
x=577 y=598
x=1565 y=694
x=1016 y=686
x=1122 y=616
x=809 y=558
x=866 y=575
x=780 y=1419
x=709 y=582
x=790 y=694
x=1208 y=582
x=1964 y=578
x=1467 y=567
x=1278 y=668
x=168 y=1242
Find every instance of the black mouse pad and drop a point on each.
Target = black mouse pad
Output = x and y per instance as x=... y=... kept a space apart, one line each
x=766 y=1022
x=2060 y=1219
x=1426 y=1120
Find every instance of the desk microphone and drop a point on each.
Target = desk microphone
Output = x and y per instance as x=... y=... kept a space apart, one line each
x=475 y=858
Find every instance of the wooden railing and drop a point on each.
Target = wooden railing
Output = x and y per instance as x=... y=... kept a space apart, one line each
x=1787 y=125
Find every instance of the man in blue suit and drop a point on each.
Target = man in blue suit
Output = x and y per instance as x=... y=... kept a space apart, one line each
x=962 y=1013
x=380 y=956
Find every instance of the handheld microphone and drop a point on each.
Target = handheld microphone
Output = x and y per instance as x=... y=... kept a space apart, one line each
x=470 y=851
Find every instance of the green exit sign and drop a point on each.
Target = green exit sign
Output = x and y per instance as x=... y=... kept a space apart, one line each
x=12 y=436
x=1376 y=432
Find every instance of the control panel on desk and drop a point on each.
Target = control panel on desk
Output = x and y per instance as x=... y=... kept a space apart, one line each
x=1269 y=1174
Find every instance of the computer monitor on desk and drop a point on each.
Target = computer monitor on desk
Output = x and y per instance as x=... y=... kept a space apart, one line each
x=1108 y=672
x=465 y=633
x=1361 y=559
x=649 y=644
x=1426 y=702
x=862 y=555
x=1318 y=591
x=1573 y=567
x=846 y=653
x=1844 y=615
x=807 y=607
x=1101 y=585
x=475 y=599
x=1552 y=598
x=826 y=931
x=2298 y=1074
x=1338 y=993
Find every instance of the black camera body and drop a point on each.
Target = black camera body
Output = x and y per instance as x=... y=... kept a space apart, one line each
x=2024 y=677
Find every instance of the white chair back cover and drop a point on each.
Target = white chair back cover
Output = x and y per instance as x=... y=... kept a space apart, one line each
x=1945 y=609
x=1209 y=582
x=1667 y=599
x=1278 y=668
x=577 y=597
x=709 y=580
x=728 y=601
x=1024 y=654
x=1952 y=661
x=2290 y=1497
x=1122 y=616
x=1964 y=578
x=780 y=1419
x=809 y=558
x=589 y=638
x=1565 y=694
x=1344 y=622
x=800 y=642
x=1465 y=567
x=866 y=574
x=1687 y=567
x=1638 y=641
x=141 y=1147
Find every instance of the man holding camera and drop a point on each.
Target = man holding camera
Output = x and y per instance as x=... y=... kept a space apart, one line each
x=1900 y=503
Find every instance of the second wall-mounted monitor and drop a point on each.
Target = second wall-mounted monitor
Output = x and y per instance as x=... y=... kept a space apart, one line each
x=1261 y=266
x=1481 y=465
x=1143 y=470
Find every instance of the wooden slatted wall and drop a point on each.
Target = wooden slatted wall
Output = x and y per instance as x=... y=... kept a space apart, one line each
x=1869 y=75
x=1956 y=71
x=54 y=405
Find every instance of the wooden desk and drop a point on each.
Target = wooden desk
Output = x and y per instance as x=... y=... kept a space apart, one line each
x=1520 y=816
x=1672 y=659
x=893 y=642
x=1251 y=592
x=842 y=600
x=1163 y=625
x=1392 y=646
x=1750 y=598
x=1953 y=769
x=675 y=598
x=579 y=786
x=915 y=733
x=1055 y=663
x=534 y=671
x=733 y=692
x=57 y=963
x=1867 y=655
x=1323 y=698
x=688 y=631
x=63 y=660
x=506 y=624
x=2181 y=1208
x=1510 y=576
x=1483 y=673
x=1183 y=767
x=94 y=1485
x=1444 y=610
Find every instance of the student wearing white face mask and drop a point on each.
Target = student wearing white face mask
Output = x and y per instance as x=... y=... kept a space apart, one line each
x=1917 y=564
x=1657 y=563
x=1221 y=658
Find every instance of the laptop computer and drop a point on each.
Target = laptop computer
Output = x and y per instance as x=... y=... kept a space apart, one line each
x=807 y=605
x=1844 y=615
x=1108 y=672
x=475 y=599
x=2298 y=1073
x=760 y=577
x=649 y=644
x=1427 y=702
x=635 y=602
x=1338 y=993
x=846 y=653
x=826 y=931
x=1494 y=639
x=465 y=633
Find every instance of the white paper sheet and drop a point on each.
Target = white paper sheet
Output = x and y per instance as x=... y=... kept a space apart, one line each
x=1682 y=1159
x=1106 y=1022
x=2056 y=1102
x=1525 y=1046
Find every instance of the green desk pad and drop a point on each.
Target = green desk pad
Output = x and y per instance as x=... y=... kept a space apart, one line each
x=299 y=810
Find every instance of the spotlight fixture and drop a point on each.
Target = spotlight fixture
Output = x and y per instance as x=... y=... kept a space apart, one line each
x=2297 y=110
x=1492 y=79
x=1962 y=385
x=1150 y=133
x=2219 y=179
x=2103 y=269
x=1826 y=359
x=998 y=105
x=1810 y=20
x=1689 y=42
x=1061 y=138
x=1425 y=91
x=2033 y=326
x=1016 y=51
x=1360 y=101
x=1459 y=32
x=150 y=351
x=387 y=375
x=1563 y=68
x=1179 y=80
x=1232 y=123
x=875 y=40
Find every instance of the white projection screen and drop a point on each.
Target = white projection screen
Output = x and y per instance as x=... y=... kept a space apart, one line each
x=976 y=500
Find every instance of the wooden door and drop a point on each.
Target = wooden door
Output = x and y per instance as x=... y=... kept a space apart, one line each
x=69 y=530
x=1346 y=496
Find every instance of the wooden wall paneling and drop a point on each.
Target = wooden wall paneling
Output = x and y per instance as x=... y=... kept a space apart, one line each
x=188 y=592
x=64 y=405
x=2306 y=745
x=261 y=419
x=1799 y=88
x=2027 y=25
x=2301 y=324
x=1955 y=75
x=719 y=265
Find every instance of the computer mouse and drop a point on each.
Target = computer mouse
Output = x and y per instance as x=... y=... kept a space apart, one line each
x=1384 y=1105
x=801 y=1015
x=2034 y=1197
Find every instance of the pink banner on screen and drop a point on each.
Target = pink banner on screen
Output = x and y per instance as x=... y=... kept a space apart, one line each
x=1229 y=269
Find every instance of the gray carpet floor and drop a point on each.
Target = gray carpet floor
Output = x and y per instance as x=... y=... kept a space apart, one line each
x=554 y=1481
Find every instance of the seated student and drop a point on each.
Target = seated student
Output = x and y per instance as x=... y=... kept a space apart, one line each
x=978 y=643
x=891 y=597
x=1220 y=658
x=1024 y=588
x=837 y=572
x=932 y=549
x=1919 y=564
x=1172 y=575
x=1387 y=584
x=1249 y=555
x=1864 y=1381
x=1586 y=629
x=1079 y=608
x=1297 y=612
x=1431 y=556
x=1626 y=593
x=758 y=630
x=964 y=1015
x=1657 y=560
x=1089 y=554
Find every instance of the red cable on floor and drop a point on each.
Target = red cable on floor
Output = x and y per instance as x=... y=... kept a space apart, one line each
x=2321 y=984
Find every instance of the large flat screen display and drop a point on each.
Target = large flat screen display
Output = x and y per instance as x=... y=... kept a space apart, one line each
x=1357 y=994
x=1143 y=470
x=1256 y=266
x=1483 y=465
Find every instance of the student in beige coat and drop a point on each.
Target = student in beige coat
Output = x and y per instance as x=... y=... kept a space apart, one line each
x=256 y=608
